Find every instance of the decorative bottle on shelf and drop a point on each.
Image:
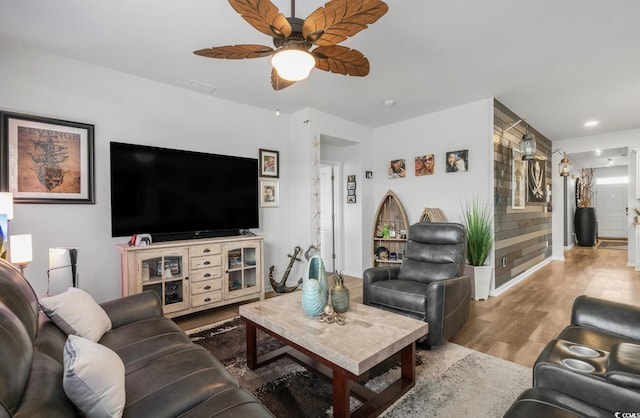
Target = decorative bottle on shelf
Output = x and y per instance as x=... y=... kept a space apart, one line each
x=340 y=295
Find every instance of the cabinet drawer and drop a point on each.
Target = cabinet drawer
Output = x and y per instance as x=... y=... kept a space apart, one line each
x=206 y=261
x=206 y=298
x=206 y=274
x=206 y=286
x=206 y=249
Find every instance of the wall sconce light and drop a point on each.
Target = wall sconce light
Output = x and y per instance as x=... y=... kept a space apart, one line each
x=528 y=146
x=565 y=166
x=20 y=247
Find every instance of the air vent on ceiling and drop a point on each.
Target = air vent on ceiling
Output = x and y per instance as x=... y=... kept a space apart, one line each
x=201 y=87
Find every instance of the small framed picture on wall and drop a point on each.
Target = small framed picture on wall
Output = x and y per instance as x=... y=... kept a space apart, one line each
x=457 y=161
x=269 y=194
x=269 y=163
x=351 y=199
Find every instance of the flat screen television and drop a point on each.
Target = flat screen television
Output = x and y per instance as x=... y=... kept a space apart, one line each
x=173 y=194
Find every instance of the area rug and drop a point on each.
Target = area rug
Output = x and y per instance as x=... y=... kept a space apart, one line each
x=451 y=380
x=613 y=244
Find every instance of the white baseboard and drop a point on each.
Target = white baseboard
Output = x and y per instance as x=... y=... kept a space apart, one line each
x=570 y=246
x=519 y=278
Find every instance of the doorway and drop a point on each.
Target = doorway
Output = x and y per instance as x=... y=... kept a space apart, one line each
x=611 y=206
x=330 y=231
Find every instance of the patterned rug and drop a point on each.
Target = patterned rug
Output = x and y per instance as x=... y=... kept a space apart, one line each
x=451 y=380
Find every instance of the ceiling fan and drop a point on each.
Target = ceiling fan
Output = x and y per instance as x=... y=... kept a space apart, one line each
x=293 y=59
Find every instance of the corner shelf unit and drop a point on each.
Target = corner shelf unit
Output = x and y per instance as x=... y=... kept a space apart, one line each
x=391 y=213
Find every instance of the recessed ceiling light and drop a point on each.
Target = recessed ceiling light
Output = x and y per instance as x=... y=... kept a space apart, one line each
x=590 y=123
x=389 y=102
x=598 y=152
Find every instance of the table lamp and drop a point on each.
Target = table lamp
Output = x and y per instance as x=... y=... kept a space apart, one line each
x=20 y=247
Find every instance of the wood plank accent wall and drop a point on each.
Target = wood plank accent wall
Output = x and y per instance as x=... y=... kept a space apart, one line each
x=523 y=236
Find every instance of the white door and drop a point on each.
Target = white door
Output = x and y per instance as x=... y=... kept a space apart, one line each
x=611 y=205
x=327 y=216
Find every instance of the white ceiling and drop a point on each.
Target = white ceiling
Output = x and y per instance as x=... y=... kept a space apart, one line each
x=555 y=63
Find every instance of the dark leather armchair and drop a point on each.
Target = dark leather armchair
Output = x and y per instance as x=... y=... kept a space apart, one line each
x=429 y=285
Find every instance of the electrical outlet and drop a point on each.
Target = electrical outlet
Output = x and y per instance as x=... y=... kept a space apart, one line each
x=504 y=261
x=546 y=243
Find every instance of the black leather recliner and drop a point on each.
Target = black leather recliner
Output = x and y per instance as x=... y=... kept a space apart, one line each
x=429 y=285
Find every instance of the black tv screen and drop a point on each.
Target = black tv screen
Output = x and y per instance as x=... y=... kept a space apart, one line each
x=173 y=194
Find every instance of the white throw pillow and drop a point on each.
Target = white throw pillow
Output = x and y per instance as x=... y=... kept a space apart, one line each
x=76 y=313
x=93 y=378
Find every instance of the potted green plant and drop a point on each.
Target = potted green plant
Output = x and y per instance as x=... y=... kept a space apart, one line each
x=478 y=219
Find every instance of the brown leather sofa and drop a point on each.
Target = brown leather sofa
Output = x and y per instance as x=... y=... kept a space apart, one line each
x=591 y=369
x=166 y=375
x=430 y=284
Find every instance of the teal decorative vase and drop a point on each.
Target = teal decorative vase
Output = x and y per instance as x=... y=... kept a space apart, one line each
x=315 y=289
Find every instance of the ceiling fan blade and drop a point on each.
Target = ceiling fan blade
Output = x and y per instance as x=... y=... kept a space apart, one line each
x=279 y=83
x=340 y=19
x=341 y=60
x=236 y=52
x=264 y=16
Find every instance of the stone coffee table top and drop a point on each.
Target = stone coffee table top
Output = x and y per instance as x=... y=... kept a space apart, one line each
x=369 y=336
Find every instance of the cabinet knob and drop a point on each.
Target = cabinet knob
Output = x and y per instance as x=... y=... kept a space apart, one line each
x=206 y=250
x=186 y=278
x=207 y=287
x=207 y=300
x=206 y=263
x=207 y=275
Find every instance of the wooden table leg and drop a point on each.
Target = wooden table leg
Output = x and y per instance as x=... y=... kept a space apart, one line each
x=252 y=346
x=341 y=392
x=408 y=363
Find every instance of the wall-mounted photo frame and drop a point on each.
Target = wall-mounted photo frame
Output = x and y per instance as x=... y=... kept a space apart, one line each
x=457 y=161
x=518 y=180
x=368 y=174
x=351 y=178
x=351 y=192
x=351 y=185
x=269 y=194
x=351 y=199
x=46 y=160
x=536 y=181
x=397 y=169
x=424 y=165
x=269 y=163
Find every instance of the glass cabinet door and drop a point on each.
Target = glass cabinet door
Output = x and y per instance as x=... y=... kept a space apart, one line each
x=241 y=277
x=165 y=273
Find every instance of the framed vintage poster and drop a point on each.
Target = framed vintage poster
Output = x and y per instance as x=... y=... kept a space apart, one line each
x=269 y=194
x=46 y=160
x=518 y=180
x=536 y=180
x=269 y=163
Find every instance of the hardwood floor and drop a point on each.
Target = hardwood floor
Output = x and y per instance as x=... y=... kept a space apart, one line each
x=516 y=325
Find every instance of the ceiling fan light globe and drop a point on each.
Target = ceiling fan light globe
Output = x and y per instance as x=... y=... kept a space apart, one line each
x=293 y=64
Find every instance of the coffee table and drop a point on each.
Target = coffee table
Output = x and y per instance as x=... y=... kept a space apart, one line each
x=343 y=353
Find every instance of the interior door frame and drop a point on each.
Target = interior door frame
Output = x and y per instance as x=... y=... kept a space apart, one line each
x=338 y=229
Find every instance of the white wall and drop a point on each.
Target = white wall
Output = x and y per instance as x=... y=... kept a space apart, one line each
x=630 y=139
x=464 y=127
x=131 y=109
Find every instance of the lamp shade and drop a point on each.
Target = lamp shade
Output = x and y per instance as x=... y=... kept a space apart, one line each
x=6 y=204
x=528 y=147
x=565 y=166
x=293 y=64
x=20 y=248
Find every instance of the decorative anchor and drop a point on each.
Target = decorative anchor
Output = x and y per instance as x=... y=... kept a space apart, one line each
x=281 y=286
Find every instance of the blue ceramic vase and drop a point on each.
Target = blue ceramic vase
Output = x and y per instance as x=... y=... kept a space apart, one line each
x=315 y=289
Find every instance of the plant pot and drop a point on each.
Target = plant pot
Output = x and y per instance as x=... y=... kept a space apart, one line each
x=585 y=226
x=480 y=280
